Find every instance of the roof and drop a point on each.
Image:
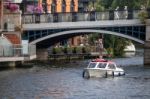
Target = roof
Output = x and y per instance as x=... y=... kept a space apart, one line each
x=13 y=38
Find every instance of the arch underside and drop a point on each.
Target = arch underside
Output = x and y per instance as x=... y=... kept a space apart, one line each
x=82 y=31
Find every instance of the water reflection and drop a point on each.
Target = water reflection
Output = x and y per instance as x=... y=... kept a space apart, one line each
x=44 y=82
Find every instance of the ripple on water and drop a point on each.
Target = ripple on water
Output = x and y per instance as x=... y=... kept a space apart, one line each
x=42 y=82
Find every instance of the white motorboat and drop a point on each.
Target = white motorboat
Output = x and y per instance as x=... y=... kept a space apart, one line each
x=102 y=68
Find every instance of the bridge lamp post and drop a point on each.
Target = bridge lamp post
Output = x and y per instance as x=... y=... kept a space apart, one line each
x=100 y=44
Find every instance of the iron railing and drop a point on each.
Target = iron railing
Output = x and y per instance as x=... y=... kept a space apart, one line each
x=78 y=16
x=17 y=50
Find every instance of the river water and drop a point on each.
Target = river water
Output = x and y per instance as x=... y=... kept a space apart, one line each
x=66 y=82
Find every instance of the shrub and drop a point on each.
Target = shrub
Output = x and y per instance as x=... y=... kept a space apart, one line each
x=79 y=49
x=143 y=15
x=18 y=28
x=74 y=50
x=110 y=51
x=56 y=50
x=65 y=50
x=83 y=50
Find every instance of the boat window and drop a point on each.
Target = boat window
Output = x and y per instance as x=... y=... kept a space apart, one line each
x=101 y=65
x=111 y=66
x=92 y=65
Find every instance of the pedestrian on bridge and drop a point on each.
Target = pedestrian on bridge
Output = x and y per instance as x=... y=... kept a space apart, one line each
x=116 y=14
x=125 y=12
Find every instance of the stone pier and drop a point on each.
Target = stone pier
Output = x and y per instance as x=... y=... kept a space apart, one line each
x=42 y=54
x=147 y=45
x=11 y=64
x=147 y=54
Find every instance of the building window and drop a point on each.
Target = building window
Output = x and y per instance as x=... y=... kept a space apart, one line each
x=72 y=6
x=54 y=4
x=44 y=5
x=63 y=6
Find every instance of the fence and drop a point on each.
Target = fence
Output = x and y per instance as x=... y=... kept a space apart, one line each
x=77 y=16
x=17 y=50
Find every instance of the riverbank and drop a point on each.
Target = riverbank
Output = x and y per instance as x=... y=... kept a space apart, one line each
x=126 y=61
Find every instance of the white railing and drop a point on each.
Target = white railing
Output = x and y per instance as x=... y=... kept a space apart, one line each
x=17 y=50
x=78 y=16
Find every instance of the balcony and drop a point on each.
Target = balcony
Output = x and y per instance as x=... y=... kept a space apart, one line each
x=18 y=52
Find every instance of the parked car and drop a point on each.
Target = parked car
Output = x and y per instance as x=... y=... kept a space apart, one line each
x=102 y=68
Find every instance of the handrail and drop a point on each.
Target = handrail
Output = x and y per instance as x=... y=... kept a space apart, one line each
x=80 y=16
x=17 y=50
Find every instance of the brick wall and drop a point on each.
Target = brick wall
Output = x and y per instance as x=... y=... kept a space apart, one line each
x=1 y=15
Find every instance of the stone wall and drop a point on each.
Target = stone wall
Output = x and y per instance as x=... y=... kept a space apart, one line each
x=147 y=54
x=148 y=30
x=13 y=20
x=147 y=45
x=42 y=54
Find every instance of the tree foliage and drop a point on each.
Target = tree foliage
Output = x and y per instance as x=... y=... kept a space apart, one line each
x=93 y=37
x=118 y=44
x=112 y=4
x=132 y=4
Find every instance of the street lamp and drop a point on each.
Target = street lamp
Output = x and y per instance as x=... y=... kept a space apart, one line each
x=100 y=43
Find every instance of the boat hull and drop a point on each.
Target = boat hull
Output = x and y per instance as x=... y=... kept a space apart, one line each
x=96 y=72
x=101 y=73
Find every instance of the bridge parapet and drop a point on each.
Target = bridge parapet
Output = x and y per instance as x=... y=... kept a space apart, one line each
x=82 y=24
x=78 y=16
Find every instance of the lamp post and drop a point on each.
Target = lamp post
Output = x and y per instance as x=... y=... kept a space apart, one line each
x=100 y=43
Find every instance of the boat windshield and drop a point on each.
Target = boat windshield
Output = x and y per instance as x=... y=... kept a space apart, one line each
x=92 y=65
x=102 y=65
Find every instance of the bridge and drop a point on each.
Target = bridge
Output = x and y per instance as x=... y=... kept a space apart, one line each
x=39 y=29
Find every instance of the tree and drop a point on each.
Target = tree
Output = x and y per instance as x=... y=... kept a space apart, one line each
x=93 y=37
x=118 y=44
x=132 y=4
x=98 y=5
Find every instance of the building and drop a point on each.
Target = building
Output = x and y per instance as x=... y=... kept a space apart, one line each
x=52 y=6
x=10 y=19
x=12 y=48
x=49 y=6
